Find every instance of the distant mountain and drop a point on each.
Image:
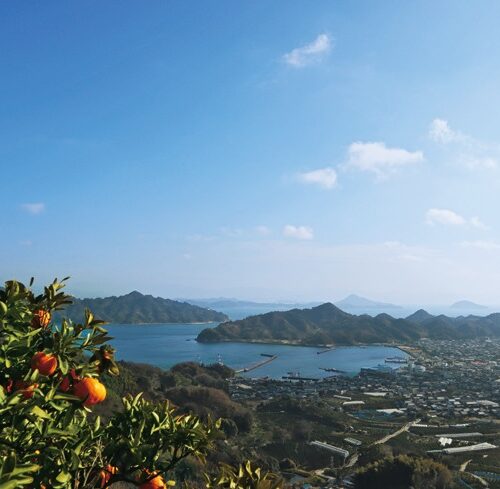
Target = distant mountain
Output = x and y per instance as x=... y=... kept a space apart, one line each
x=327 y=324
x=419 y=316
x=354 y=301
x=240 y=309
x=468 y=306
x=224 y=303
x=139 y=308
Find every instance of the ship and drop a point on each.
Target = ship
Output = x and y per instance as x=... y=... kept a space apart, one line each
x=396 y=360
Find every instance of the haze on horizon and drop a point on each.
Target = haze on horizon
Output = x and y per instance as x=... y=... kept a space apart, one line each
x=287 y=151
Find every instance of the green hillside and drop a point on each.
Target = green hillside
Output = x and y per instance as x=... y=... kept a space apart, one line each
x=327 y=324
x=135 y=308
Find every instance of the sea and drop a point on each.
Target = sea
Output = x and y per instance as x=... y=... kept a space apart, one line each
x=164 y=345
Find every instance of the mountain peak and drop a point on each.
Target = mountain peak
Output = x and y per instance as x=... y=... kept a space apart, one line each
x=419 y=316
x=134 y=293
x=464 y=304
x=357 y=301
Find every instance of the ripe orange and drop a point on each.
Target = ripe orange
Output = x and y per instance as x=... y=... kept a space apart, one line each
x=45 y=363
x=90 y=390
x=41 y=319
x=68 y=381
x=27 y=390
x=106 y=473
x=157 y=482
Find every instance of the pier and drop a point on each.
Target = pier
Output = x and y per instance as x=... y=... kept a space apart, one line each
x=330 y=348
x=295 y=377
x=268 y=359
x=335 y=370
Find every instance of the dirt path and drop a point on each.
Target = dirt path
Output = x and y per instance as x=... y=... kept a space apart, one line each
x=406 y=427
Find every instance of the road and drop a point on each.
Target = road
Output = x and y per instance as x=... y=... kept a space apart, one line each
x=406 y=427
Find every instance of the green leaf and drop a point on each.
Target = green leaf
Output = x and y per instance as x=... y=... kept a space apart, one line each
x=63 y=477
x=38 y=411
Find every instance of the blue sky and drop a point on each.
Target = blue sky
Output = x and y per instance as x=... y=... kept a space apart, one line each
x=263 y=150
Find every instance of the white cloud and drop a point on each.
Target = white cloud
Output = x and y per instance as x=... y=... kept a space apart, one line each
x=477 y=223
x=441 y=132
x=263 y=230
x=444 y=216
x=377 y=158
x=310 y=53
x=298 y=232
x=451 y=218
x=324 y=177
x=34 y=208
x=486 y=162
x=470 y=152
x=482 y=245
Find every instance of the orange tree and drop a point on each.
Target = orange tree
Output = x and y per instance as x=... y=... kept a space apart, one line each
x=49 y=382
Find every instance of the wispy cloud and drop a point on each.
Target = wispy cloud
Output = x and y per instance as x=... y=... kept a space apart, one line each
x=309 y=54
x=451 y=218
x=298 y=232
x=263 y=230
x=444 y=216
x=323 y=177
x=441 y=132
x=33 y=208
x=477 y=223
x=481 y=245
x=471 y=152
x=377 y=158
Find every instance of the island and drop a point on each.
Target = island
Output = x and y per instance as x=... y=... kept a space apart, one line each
x=137 y=308
x=326 y=325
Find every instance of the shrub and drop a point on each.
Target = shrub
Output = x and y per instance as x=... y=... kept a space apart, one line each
x=51 y=377
x=403 y=472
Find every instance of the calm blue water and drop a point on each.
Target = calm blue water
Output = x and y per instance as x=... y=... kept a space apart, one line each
x=165 y=345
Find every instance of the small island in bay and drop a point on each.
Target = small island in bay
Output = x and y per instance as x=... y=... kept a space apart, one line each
x=137 y=308
x=328 y=325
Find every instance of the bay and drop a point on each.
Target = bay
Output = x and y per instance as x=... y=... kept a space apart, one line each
x=164 y=345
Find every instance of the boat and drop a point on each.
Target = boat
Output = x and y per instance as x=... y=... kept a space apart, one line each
x=336 y=370
x=396 y=360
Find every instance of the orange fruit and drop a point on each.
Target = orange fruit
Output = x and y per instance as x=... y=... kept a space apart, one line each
x=41 y=319
x=157 y=482
x=27 y=390
x=90 y=391
x=106 y=473
x=45 y=363
x=68 y=381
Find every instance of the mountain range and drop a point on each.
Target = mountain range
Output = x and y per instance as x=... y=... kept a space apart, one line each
x=134 y=308
x=327 y=324
x=224 y=303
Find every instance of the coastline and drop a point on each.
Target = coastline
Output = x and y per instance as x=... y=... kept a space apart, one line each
x=403 y=348
x=163 y=324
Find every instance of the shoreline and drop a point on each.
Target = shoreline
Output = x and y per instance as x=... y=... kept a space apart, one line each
x=322 y=346
x=163 y=324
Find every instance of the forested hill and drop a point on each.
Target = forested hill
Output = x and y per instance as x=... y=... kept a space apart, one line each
x=137 y=308
x=327 y=324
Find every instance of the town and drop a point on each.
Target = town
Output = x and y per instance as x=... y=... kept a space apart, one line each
x=443 y=402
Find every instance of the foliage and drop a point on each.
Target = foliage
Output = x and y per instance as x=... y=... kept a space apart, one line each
x=245 y=476
x=49 y=436
x=403 y=472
